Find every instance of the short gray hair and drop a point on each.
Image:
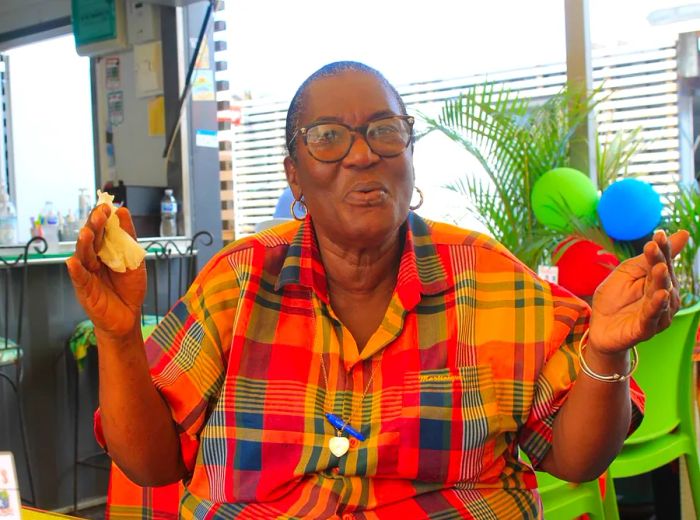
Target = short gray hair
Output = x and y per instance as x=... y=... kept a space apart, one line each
x=332 y=69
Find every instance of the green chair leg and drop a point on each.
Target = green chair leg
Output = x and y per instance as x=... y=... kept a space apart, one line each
x=610 y=500
x=692 y=464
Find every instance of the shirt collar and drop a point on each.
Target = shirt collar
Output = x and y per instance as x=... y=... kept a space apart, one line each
x=421 y=270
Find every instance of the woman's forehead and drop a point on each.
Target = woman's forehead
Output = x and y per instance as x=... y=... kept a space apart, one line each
x=348 y=95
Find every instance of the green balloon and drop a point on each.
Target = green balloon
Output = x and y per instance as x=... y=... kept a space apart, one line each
x=561 y=192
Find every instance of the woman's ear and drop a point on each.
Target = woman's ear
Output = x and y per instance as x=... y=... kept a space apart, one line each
x=290 y=170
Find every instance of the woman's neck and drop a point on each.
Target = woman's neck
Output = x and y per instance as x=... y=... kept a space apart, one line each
x=360 y=271
x=361 y=282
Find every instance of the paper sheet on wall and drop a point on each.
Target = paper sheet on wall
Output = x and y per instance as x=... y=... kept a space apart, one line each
x=148 y=70
x=202 y=61
x=156 y=116
x=113 y=75
x=115 y=107
x=206 y=139
x=203 y=86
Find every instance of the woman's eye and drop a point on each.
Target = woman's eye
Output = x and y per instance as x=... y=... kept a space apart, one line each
x=386 y=130
x=328 y=135
x=325 y=136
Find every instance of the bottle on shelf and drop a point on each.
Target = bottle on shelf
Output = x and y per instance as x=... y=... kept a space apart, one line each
x=50 y=225
x=8 y=220
x=168 y=214
x=70 y=227
x=84 y=205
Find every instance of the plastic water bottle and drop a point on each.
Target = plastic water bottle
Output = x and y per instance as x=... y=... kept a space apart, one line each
x=168 y=214
x=83 y=205
x=50 y=226
x=70 y=227
x=8 y=220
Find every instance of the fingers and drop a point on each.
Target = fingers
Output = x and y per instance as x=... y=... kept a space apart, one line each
x=656 y=307
x=658 y=279
x=96 y=222
x=85 y=250
x=669 y=247
x=90 y=238
x=678 y=241
x=125 y=221
x=655 y=314
x=661 y=287
x=653 y=252
x=84 y=283
x=664 y=246
x=77 y=272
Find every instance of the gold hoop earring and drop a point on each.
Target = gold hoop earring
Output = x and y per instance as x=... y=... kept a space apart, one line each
x=420 y=202
x=292 y=209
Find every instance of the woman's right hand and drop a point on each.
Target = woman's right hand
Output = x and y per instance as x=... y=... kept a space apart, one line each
x=111 y=300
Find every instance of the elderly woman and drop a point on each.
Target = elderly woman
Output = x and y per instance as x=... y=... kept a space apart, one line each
x=364 y=361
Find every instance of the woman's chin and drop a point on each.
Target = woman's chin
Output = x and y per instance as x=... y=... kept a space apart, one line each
x=371 y=225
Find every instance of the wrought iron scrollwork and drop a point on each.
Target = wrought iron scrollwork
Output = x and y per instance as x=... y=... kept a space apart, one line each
x=168 y=249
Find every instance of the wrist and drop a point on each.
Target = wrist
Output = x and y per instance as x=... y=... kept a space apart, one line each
x=606 y=366
x=108 y=339
x=606 y=362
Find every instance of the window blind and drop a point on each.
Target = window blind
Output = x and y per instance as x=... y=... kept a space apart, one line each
x=638 y=89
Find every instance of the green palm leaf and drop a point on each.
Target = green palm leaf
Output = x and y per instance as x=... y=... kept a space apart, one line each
x=684 y=213
x=515 y=141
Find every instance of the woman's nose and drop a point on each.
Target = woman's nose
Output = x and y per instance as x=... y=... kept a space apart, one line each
x=360 y=154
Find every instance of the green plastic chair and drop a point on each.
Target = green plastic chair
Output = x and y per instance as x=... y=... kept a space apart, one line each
x=563 y=500
x=668 y=429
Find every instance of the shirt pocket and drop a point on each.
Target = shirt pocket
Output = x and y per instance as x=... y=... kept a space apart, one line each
x=449 y=418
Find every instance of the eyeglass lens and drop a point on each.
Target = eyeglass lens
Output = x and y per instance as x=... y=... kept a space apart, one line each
x=386 y=137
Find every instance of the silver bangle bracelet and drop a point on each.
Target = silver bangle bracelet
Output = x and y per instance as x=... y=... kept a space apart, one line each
x=614 y=378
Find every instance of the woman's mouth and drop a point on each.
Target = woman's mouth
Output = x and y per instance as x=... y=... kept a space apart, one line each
x=371 y=194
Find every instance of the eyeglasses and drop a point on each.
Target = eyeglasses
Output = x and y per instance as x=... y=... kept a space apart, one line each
x=331 y=142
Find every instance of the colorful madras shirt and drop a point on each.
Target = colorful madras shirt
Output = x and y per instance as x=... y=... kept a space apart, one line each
x=471 y=363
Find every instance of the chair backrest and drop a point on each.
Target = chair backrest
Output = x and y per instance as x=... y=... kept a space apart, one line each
x=563 y=500
x=170 y=272
x=13 y=281
x=665 y=375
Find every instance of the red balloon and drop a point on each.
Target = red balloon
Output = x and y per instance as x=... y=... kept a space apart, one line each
x=583 y=266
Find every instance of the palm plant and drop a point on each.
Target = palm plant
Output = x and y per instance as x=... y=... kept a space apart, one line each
x=516 y=140
x=614 y=156
x=684 y=213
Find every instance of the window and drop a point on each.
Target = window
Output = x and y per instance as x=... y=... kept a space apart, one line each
x=430 y=53
x=50 y=135
x=4 y=158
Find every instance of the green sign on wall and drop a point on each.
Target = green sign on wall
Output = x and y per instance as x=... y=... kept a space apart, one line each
x=94 y=20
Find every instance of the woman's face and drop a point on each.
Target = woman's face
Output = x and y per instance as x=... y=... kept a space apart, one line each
x=362 y=199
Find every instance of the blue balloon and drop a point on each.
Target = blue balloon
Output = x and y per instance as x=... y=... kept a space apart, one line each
x=284 y=203
x=629 y=209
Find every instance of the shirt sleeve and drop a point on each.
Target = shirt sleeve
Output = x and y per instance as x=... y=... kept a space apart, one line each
x=558 y=374
x=188 y=352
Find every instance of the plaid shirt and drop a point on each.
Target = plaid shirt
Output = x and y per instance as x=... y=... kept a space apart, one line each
x=473 y=358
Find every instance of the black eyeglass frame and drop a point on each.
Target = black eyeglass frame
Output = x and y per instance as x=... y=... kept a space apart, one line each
x=362 y=130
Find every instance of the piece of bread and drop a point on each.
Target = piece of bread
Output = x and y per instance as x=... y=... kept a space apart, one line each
x=119 y=251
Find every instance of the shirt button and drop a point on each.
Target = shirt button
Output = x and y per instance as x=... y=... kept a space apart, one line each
x=348 y=516
x=335 y=470
x=353 y=442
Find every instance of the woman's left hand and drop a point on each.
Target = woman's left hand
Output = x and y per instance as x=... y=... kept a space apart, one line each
x=639 y=298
